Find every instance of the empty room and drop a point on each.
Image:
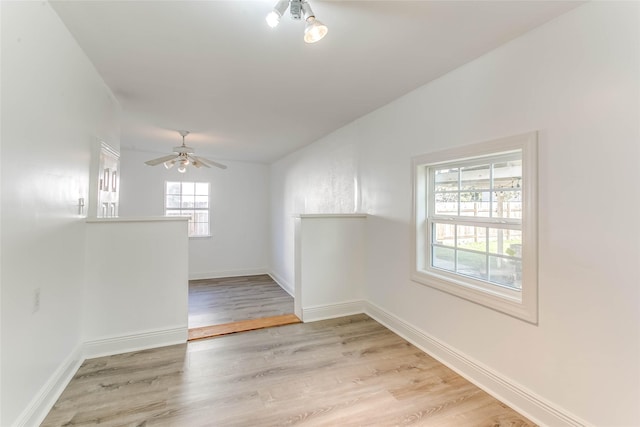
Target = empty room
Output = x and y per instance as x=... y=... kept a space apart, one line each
x=443 y=195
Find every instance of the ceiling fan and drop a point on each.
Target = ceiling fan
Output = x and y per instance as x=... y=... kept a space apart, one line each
x=183 y=157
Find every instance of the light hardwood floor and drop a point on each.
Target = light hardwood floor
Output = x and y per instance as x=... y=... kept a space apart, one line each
x=241 y=326
x=349 y=371
x=233 y=299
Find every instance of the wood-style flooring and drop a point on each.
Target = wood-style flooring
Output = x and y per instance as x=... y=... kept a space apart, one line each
x=349 y=371
x=241 y=326
x=234 y=299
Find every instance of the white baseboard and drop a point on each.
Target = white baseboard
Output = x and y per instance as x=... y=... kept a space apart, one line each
x=134 y=342
x=515 y=395
x=227 y=273
x=331 y=311
x=518 y=397
x=282 y=283
x=42 y=403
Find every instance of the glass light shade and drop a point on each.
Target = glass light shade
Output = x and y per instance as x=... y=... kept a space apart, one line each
x=314 y=30
x=182 y=169
x=273 y=19
x=169 y=164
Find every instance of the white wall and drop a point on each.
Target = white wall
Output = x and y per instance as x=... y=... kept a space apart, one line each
x=329 y=266
x=322 y=178
x=576 y=81
x=136 y=292
x=54 y=106
x=239 y=211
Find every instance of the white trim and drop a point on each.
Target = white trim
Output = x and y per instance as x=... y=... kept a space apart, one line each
x=194 y=209
x=297 y=269
x=286 y=286
x=525 y=306
x=109 y=149
x=332 y=311
x=518 y=397
x=331 y=215
x=227 y=273
x=135 y=342
x=43 y=401
x=37 y=410
x=136 y=219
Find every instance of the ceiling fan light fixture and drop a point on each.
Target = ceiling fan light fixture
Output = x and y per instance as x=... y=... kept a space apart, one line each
x=314 y=30
x=183 y=165
x=273 y=18
x=183 y=156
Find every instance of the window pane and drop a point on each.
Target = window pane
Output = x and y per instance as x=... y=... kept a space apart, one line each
x=444 y=234
x=188 y=188
x=475 y=178
x=180 y=200
x=202 y=202
x=472 y=210
x=201 y=229
x=202 y=188
x=507 y=174
x=507 y=204
x=201 y=216
x=473 y=238
x=443 y=258
x=173 y=201
x=187 y=201
x=506 y=272
x=446 y=179
x=472 y=264
x=505 y=242
x=446 y=204
x=475 y=204
x=173 y=188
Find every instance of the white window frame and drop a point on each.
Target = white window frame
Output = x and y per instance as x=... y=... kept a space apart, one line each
x=191 y=219
x=522 y=304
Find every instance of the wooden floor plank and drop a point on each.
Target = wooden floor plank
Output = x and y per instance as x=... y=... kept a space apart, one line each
x=241 y=326
x=231 y=299
x=344 y=372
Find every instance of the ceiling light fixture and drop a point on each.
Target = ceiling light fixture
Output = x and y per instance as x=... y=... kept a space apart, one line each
x=183 y=156
x=314 y=30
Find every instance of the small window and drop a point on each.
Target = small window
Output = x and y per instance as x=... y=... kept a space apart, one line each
x=476 y=224
x=189 y=199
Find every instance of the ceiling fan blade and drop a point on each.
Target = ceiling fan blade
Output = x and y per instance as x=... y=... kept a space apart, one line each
x=208 y=163
x=157 y=161
x=196 y=162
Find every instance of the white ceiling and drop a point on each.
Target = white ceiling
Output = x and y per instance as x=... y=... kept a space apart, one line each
x=252 y=93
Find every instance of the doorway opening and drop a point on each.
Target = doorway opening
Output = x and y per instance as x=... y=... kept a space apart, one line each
x=236 y=304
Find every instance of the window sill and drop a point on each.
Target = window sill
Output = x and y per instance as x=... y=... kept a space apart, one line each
x=137 y=219
x=522 y=308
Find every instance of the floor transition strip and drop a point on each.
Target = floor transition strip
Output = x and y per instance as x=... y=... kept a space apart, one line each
x=241 y=326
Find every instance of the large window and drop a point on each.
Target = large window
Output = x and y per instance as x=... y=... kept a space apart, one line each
x=189 y=199
x=475 y=223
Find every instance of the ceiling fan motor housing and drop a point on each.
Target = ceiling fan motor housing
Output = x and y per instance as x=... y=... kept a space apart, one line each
x=183 y=149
